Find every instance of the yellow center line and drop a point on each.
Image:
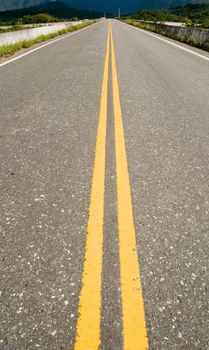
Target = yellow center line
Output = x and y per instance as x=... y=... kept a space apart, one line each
x=134 y=325
x=88 y=326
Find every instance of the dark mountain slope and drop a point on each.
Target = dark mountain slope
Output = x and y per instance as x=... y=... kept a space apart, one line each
x=196 y=14
x=57 y=9
x=102 y=5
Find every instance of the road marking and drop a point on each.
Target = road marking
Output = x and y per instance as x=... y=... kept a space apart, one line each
x=44 y=45
x=88 y=326
x=169 y=42
x=134 y=325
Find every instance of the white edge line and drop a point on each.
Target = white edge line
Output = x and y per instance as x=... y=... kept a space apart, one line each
x=167 y=41
x=50 y=43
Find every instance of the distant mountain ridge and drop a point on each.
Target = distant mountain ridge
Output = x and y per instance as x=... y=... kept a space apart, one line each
x=99 y=5
x=193 y=14
x=56 y=9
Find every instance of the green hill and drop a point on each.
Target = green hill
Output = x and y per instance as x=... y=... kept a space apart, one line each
x=191 y=13
x=56 y=9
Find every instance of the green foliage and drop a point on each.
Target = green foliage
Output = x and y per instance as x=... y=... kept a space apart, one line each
x=156 y=29
x=40 y=18
x=158 y=16
x=193 y=14
x=54 y=9
x=7 y=50
x=14 y=28
x=205 y=22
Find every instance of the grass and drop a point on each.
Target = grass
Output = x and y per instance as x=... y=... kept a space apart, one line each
x=196 y=15
x=184 y=39
x=13 y=28
x=8 y=50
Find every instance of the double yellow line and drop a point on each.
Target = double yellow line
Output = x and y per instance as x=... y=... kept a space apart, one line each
x=88 y=326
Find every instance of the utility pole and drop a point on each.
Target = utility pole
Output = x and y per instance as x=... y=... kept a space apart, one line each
x=119 y=13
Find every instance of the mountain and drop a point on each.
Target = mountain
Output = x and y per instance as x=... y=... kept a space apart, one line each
x=160 y=4
x=190 y=13
x=99 y=5
x=17 y=4
x=128 y=5
x=56 y=9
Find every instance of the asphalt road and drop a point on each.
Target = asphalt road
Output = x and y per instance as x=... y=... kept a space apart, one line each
x=71 y=206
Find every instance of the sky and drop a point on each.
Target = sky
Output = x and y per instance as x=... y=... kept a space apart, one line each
x=100 y=5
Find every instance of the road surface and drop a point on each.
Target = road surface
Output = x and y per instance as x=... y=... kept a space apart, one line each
x=104 y=194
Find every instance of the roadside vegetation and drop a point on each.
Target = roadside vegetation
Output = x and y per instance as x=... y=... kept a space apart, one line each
x=33 y=21
x=191 y=14
x=13 y=28
x=156 y=29
x=45 y=13
x=7 y=50
x=39 y=18
x=19 y=23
